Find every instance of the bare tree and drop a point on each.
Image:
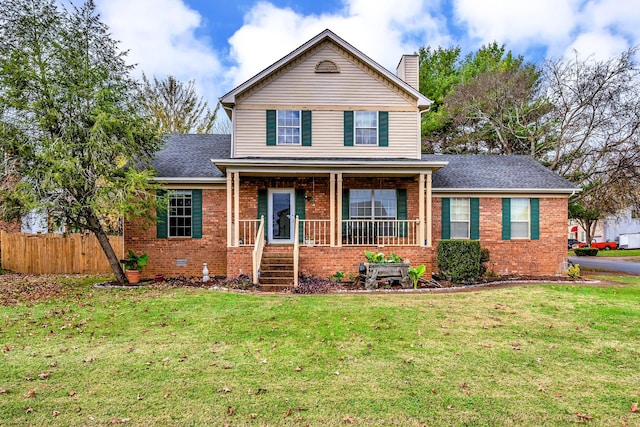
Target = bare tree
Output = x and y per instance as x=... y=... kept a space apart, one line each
x=596 y=118
x=176 y=106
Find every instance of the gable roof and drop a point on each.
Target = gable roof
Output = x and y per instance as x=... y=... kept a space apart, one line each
x=495 y=173
x=229 y=98
x=188 y=157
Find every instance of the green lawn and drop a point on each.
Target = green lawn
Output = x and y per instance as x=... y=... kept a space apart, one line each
x=615 y=253
x=534 y=355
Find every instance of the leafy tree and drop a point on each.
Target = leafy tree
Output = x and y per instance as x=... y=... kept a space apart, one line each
x=484 y=102
x=176 y=106
x=70 y=121
x=587 y=218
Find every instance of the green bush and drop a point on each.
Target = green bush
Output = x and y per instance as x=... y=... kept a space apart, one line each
x=459 y=260
x=573 y=271
x=586 y=251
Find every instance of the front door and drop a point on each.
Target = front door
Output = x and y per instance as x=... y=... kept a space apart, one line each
x=281 y=216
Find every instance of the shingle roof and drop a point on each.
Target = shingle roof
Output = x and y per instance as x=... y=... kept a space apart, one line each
x=189 y=156
x=478 y=171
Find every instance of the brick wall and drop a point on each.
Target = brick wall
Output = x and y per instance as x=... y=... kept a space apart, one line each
x=511 y=256
x=537 y=257
x=163 y=253
x=325 y=261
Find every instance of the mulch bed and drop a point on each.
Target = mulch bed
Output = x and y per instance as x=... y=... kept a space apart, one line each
x=30 y=288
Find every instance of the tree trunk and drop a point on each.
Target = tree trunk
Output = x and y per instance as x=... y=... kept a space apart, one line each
x=114 y=262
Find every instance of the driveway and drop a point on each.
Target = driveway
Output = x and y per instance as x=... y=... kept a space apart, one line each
x=611 y=264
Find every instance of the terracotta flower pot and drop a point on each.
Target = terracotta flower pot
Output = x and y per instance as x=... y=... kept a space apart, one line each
x=159 y=278
x=133 y=276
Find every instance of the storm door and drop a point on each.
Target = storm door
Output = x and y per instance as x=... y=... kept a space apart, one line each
x=281 y=216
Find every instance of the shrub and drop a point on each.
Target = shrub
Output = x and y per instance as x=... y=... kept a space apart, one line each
x=586 y=251
x=573 y=271
x=485 y=257
x=459 y=260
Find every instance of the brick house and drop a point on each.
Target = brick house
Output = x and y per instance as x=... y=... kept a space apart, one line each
x=324 y=162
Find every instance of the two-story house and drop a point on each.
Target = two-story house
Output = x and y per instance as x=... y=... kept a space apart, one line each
x=324 y=162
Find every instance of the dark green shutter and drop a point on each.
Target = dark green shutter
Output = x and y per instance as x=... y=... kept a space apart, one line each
x=446 y=218
x=383 y=129
x=506 y=219
x=535 y=218
x=474 y=208
x=262 y=208
x=348 y=128
x=196 y=214
x=161 y=216
x=345 y=210
x=271 y=127
x=306 y=128
x=401 y=210
x=300 y=211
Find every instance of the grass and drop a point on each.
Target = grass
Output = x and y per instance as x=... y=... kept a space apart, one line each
x=615 y=253
x=618 y=252
x=534 y=355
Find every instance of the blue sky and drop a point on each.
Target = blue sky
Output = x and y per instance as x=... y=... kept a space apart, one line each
x=220 y=43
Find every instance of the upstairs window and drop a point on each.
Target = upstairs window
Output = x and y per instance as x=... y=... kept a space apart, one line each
x=288 y=127
x=366 y=127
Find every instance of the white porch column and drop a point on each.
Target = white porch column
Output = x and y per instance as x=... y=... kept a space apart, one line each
x=332 y=209
x=429 y=213
x=338 y=220
x=236 y=208
x=229 y=210
x=421 y=224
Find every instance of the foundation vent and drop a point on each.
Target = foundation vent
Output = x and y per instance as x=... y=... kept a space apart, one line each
x=181 y=262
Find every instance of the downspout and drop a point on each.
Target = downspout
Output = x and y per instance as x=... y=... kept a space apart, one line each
x=232 y=152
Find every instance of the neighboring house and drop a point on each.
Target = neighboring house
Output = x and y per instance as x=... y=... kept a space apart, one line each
x=628 y=221
x=329 y=138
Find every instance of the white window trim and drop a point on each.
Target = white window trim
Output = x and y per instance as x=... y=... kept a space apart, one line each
x=355 y=129
x=172 y=194
x=528 y=221
x=372 y=217
x=299 y=127
x=451 y=221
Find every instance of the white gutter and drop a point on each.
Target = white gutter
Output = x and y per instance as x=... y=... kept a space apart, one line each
x=190 y=180
x=505 y=190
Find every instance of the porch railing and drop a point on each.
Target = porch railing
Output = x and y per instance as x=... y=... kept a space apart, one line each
x=380 y=232
x=315 y=232
x=257 y=251
x=248 y=231
x=296 y=250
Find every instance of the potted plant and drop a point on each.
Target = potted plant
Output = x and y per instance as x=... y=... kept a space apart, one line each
x=133 y=266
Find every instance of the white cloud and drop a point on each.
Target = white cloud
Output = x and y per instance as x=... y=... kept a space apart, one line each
x=602 y=28
x=381 y=29
x=162 y=40
x=517 y=23
x=598 y=45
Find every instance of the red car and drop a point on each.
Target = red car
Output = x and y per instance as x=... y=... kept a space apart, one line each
x=604 y=245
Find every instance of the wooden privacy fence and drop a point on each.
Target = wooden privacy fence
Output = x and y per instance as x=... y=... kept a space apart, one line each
x=55 y=253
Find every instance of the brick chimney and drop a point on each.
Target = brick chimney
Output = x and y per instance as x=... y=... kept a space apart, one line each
x=408 y=70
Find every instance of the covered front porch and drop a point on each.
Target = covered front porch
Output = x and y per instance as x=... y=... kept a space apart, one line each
x=326 y=215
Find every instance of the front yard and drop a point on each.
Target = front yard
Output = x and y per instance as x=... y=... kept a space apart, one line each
x=529 y=355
